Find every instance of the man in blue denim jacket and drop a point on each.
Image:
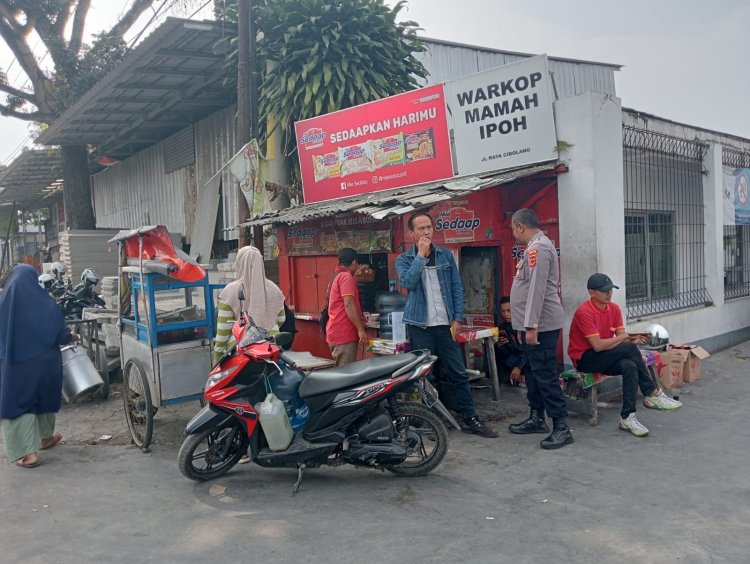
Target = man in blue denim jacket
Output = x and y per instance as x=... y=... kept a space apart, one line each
x=434 y=307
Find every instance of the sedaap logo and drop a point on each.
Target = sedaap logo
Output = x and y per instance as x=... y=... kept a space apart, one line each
x=313 y=137
x=459 y=220
x=302 y=232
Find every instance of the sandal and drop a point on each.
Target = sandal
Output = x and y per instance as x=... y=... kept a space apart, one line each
x=29 y=461
x=52 y=441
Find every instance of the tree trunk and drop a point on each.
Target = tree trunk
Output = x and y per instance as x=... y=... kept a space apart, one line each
x=79 y=213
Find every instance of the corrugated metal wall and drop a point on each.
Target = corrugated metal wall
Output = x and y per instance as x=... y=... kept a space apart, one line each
x=136 y=192
x=214 y=145
x=447 y=62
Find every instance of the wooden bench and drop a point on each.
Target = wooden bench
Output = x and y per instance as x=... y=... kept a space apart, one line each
x=582 y=389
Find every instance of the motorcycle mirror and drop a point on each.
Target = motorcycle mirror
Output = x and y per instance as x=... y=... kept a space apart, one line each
x=241 y=293
x=284 y=340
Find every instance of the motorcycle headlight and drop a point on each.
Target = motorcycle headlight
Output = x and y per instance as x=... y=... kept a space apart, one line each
x=219 y=376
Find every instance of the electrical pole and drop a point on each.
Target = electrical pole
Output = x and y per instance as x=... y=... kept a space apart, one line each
x=244 y=96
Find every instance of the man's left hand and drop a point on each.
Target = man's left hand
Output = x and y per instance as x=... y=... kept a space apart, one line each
x=456 y=328
x=532 y=336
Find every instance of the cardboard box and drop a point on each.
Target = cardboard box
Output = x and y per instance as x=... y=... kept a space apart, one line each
x=673 y=371
x=692 y=368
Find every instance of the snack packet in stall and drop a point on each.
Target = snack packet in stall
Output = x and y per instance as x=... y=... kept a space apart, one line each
x=388 y=151
x=326 y=166
x=420 y=145
x=356 y=158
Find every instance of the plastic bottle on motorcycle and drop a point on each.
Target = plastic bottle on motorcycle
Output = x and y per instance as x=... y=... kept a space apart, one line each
x=275 y=423
x=286 y=388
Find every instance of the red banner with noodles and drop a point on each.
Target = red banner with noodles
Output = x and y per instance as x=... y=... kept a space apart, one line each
x=398 y=141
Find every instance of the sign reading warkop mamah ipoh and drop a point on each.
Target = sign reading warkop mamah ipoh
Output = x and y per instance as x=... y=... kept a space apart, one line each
x=397 y=141
x=501 y=119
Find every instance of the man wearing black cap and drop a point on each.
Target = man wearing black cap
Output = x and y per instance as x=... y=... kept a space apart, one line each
x=599 y=343
x=345 y=329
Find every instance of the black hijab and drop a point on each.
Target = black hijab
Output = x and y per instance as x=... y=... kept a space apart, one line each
x=30 y=320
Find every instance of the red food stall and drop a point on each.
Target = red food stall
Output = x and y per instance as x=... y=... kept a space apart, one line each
x=472 y=222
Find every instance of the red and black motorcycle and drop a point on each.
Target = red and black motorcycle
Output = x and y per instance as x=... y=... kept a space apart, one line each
x=357 y=413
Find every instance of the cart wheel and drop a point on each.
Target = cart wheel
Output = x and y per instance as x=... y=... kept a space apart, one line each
x=137 y=399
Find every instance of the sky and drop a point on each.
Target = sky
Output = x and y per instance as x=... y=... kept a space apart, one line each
x=684 y=60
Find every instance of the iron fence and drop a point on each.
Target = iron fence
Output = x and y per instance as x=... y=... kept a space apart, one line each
x=664 y=223
x=736 y=236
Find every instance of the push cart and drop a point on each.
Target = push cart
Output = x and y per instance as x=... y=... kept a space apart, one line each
x=166 y=328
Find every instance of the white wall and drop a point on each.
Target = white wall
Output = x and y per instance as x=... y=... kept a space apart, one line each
x=592 y=221
x=713 y=323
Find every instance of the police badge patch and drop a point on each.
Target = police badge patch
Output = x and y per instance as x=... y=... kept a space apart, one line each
x=532 y=258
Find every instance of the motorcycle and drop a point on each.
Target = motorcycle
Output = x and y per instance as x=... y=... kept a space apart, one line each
x=355 y=413
x=73 y=301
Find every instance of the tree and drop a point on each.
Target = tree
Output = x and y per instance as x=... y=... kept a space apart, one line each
x=328 y=55
x=59 y=25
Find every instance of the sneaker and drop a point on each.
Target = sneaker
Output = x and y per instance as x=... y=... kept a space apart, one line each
x=662 y=402
x=634 y=426
x=477 y=426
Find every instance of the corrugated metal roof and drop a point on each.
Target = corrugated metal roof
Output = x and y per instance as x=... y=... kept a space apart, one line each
x=399 y=201
x=172 y=79
x=31 y=177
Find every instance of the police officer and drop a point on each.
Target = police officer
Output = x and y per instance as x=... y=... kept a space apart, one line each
x=537 y=314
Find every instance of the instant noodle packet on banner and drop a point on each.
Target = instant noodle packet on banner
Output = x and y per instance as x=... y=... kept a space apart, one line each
x=420 y=145
x=356 y=158
x=388 y=151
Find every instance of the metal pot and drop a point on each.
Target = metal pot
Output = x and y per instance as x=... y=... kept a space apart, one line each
x=80 y=377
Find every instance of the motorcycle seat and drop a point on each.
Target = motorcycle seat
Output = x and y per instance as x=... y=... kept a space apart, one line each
x=331 y=379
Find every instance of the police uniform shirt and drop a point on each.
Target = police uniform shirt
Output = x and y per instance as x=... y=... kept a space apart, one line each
x=534 y=298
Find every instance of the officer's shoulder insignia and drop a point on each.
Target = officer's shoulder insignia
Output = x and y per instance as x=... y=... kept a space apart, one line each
x=532 y=258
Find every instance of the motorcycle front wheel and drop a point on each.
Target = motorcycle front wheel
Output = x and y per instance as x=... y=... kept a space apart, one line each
x=427 y=440
x=210 y=454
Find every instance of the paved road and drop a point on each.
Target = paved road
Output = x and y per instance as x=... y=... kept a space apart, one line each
x=679 y=495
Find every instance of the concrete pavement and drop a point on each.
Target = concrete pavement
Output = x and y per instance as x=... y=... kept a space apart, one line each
x=680 y=495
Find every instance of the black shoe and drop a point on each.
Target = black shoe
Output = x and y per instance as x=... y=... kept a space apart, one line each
x=534 y=424
x=476 y=426
x=559 y=437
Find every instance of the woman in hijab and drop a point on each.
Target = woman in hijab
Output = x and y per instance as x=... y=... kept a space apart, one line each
x=32 y=329
x=264 y=300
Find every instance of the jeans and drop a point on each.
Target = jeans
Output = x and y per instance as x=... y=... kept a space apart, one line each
x=439 y=341
x=624 y=359
x=542 y=381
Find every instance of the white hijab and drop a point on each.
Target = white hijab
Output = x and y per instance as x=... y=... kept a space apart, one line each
x=263 y=299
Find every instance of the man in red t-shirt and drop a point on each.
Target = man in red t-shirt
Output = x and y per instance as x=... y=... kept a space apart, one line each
x=598 y=342
x=345 y=329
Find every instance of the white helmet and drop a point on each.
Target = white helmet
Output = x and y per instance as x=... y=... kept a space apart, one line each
x=46 y=281
x=58 y=269
x=89 y=275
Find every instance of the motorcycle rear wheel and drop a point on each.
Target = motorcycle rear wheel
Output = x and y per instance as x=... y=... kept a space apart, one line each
x=433 y=441
x=210 y=454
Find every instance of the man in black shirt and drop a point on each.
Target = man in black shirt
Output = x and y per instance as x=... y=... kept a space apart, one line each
x=508 y=351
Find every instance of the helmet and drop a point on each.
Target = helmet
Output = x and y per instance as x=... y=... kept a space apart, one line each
x=90 y=276
x=58 y=269
x=659 y=337
x=46 y=281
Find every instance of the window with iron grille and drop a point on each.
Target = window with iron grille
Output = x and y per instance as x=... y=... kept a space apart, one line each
x=737 y=236
x=664 y=223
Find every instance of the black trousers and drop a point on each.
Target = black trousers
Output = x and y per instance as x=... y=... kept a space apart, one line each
x=543 y=381
x=624 y=359
x=439 y=341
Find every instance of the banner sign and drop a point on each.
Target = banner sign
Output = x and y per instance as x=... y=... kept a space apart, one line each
x=502 y=118
x=327 y=236
x=472 y=218
x=736 y=203
x=395 y=142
